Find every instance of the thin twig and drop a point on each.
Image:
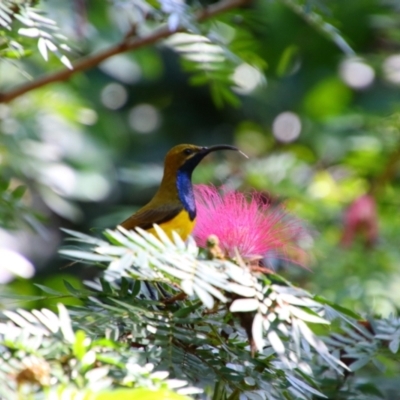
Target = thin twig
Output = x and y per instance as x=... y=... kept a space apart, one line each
x=128 y=44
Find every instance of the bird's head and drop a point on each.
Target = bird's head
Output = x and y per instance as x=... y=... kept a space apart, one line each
x=185 y=157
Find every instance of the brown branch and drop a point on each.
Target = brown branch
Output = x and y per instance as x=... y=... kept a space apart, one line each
x=127 y=44
x=179 y=296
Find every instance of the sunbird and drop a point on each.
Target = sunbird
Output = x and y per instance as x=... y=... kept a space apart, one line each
x=173 y=207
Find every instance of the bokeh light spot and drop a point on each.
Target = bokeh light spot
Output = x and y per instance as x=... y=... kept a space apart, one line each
x=87 y=116
x=356 y=73
x=61 y=178
x=114 y=96
x=251 y=139
x=320 y=189
x=329 y=97
x=322 y=186
x=144 y=118
x=286 y=127
x=14 y=264
x=92 y=186
x=391 y=68
x=247 y=78
x=122 y=68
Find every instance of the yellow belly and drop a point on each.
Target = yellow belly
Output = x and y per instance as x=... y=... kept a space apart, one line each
x=181 y=224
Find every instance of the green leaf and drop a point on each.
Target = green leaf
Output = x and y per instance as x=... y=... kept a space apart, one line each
x=287 y=61
x=84 y=255
x=21 y=297
x=371 y=389
x=78 y=346
x=139 y=394
x=304 y=387
x=276 y=342
x=136 y=288
x=216 y=95
x=18 y=192
x=230 y=97
x=307 y=315
x=244 y=305
x=361 y=362
x=394 y=345
x=84 y=238
x=49 y=290
x=338 y=308
x=107 y=288
x=4 y=185
x=77 y=292
x=198 y=80
x=29 y=32
x=43 y=48
x=204 y=296
x=125 y=283
x=277 y=280
x=185 y=311
x=65 y=324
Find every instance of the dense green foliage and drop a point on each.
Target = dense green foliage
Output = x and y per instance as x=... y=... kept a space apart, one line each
x=307 y=88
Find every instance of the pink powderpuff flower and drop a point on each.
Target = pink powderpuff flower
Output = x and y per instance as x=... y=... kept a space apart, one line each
x=247 y=224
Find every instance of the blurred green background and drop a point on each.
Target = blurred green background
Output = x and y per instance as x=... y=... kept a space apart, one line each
x=320 y=124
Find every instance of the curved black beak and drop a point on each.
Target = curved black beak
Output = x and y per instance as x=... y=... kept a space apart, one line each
x=206 y=150
x=193 y=161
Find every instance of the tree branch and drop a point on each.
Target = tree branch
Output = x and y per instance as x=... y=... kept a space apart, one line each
x=127 y=44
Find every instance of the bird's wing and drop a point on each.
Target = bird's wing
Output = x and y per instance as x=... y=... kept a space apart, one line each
x=146 y=218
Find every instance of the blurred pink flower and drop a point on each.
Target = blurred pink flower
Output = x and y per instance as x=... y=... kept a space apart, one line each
x=246 y=222
x=361 y=218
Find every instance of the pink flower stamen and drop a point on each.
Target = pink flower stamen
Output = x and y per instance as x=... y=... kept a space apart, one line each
x=247 y=224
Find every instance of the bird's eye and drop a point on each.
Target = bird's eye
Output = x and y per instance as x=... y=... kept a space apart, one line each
x=188 y=151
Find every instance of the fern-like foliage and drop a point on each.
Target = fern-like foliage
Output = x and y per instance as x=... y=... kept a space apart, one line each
x=217 y=56
x=316 y=13
x=224 y=53
x=170 y=304
x=41 y=350
x=12 y=210
x=23 y=23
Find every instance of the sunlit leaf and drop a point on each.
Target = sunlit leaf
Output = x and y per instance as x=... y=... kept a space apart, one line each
x=30 y=32
x=42 y=46
x=18 y=192
x=242 y=305
x=361 y=362
x=276 y=342
x=65 y=324
x=204 y=296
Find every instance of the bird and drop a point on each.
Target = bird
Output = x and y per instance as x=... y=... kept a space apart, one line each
x=173 y=206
